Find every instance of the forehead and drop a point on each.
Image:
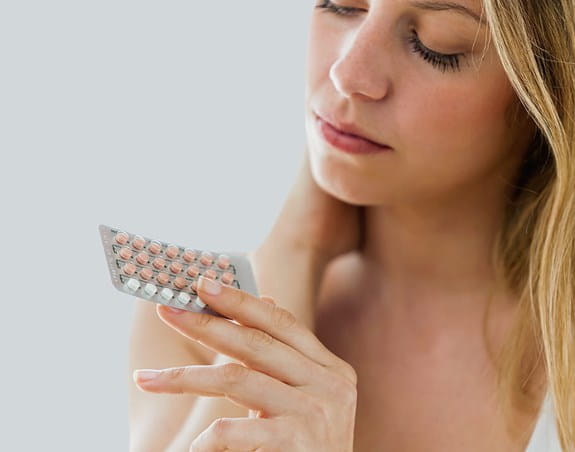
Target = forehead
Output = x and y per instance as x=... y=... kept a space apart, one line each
x=457 y=7
x=471 y=9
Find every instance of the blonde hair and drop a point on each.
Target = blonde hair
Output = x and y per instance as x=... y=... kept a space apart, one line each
x=535 y=249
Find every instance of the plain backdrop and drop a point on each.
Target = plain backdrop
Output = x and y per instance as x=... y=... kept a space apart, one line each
x=179 y=120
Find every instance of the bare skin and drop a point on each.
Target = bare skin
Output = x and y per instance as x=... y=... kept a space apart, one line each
x=406 y=308
x=410 y=323
x=425 y=379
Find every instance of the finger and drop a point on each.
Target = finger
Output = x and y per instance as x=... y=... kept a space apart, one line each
x=243 y=386
x=274 y=320
x=236 y=434
x=255 y=348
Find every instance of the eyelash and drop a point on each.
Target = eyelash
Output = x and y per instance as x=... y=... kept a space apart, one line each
x=439 y=60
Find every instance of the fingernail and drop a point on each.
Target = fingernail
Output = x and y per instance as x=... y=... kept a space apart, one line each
x=174 y=310
x=209 y=285
x=146 y=375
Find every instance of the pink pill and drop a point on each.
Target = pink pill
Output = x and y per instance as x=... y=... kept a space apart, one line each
x=158 y=263
x=163 y=278
x=227 y=278
x=180 y=282
x=125 y=253
x=206 y=258
x=172 y=251
x=223 y=261
x=138 y=242
x=175 y=267
x=193 y=271
x=155 y=248
x=189 y=255
x=211 y=274
x=146 y=273
x=142 y=258
x=129 y=269
x=121 y=238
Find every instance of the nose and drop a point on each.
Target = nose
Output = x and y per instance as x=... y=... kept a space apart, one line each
x=363 y=67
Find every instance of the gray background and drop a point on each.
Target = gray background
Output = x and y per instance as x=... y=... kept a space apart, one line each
x=182 y=121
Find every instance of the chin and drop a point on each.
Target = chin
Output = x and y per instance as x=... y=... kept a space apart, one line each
x=342 y=180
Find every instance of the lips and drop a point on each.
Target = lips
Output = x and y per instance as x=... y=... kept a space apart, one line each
x=348 y=129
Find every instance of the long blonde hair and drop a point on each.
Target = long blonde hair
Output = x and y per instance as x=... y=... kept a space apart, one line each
x=535 y=249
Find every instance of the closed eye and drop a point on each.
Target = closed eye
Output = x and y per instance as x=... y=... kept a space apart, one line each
x=441 y=61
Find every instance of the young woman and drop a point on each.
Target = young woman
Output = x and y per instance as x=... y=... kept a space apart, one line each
x=419 y=282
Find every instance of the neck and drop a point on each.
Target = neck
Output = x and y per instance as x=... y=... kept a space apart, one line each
x=441 y=249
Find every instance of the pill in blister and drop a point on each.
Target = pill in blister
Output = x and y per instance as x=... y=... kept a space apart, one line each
x=146 y=273
x=142 y=258
x=180 y=282
x=166 y=293
x=193 y=271
x=206 y=258
x=175 y=267
x=125 y=253
x=189 y=255
x=172 y=251
x=150 y=289
x=223 y=261
x=162 y=278
x=121 y=238
x=141 y=265
x=155 y=247
x=210 y=274
x=158 y=263
x=133 y=284
x=138 y=242
x=184 y=298
x=227 y=278
x=199 y=302
x=129 y=269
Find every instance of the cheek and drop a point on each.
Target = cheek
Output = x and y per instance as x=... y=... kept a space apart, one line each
x=458 y=131
x=448 y=132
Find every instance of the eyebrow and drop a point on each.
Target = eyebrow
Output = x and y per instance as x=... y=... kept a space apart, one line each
x=448 y=6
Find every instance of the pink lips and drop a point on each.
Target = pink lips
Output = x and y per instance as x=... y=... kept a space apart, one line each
x=348 y=142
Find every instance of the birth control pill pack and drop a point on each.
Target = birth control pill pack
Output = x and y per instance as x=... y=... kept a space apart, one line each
x=167 y=273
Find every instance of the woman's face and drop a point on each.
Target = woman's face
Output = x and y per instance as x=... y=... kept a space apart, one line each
x=445 y=118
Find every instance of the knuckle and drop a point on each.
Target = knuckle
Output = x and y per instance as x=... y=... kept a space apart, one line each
x=232 y=373
x=345 y=369
x=350 y=373
x=201 y=320
x=176 y=373
x=282 y=318
x=220 y=427
x=339 y=386
x=351 y=394
x=345 y=391
x=317 y=410
x=205 y=441
x=242 y=298
x=258 y=339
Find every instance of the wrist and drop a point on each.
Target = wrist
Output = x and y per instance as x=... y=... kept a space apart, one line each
x=290 y=274
x=280 y=245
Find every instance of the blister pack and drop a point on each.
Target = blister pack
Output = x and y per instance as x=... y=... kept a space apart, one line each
x=167 y=273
